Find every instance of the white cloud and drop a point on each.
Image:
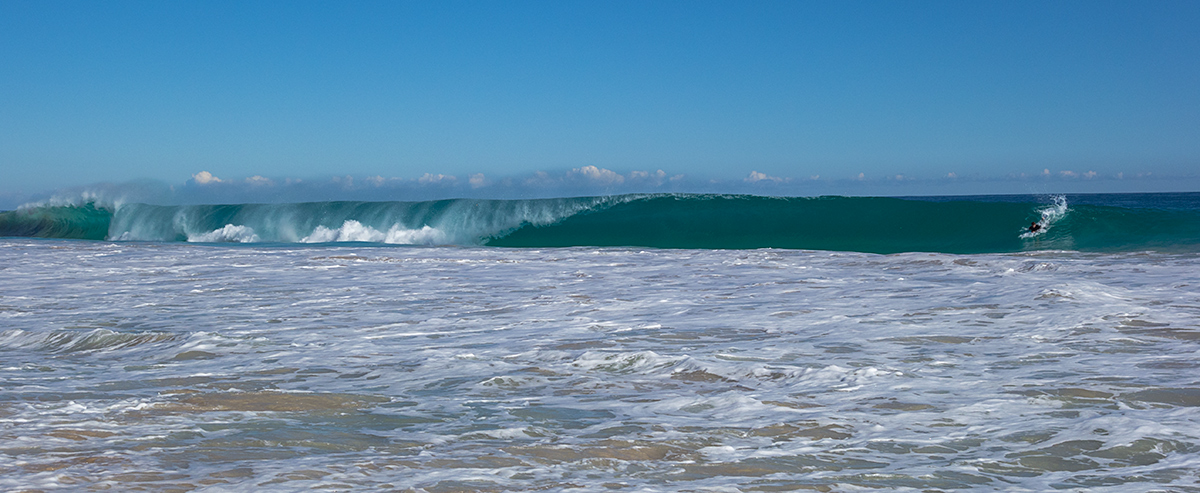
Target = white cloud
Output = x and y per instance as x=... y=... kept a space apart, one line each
x=646 y=174
x=539 y=178
x=1068 y=174
x=951 y=175
x=1089 y=175
x=756 y=177
x=656 y=177
x=599 y=175
x=439 y=178
x=259 y=180
x=376 y=180
x=204 y=178
x=861 y=176
x=477 y=180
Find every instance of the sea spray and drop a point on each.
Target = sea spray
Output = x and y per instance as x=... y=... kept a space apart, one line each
x=227 y=234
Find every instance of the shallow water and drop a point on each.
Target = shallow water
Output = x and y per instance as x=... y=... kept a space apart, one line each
x=176 y=367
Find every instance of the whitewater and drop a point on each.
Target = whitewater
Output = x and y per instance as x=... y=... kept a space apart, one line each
x=462 y=346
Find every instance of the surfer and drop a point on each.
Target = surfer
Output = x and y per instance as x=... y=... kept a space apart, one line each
x=1034 y=226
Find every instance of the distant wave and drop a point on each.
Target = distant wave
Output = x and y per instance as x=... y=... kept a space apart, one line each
x=865 y=224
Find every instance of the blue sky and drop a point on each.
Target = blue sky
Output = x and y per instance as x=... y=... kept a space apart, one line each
x=806 y=97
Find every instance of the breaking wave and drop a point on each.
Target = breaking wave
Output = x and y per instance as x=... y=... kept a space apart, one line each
x=864 y=224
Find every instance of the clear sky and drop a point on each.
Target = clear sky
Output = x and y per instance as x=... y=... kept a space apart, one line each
x=946 y=97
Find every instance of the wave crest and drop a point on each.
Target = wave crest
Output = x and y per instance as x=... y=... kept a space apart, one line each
x=228 y=234
x=352 y=230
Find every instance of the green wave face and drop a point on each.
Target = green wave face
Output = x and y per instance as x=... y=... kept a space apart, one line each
x=85 y=222
x=1105 y=228
x=876 y=225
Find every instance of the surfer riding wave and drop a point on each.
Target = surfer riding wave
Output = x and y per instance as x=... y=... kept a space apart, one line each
x=1050 y=215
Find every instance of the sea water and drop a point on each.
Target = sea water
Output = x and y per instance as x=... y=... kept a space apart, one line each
x=985 y=224
x=174 y=366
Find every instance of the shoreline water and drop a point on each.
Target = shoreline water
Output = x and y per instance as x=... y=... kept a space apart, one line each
x=209 y=368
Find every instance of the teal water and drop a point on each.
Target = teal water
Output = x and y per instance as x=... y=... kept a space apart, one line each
x=85 y=222
x=986 y=224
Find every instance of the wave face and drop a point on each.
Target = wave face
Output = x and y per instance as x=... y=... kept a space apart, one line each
x=879 y=225
x=82 y=222
x=1114 y=222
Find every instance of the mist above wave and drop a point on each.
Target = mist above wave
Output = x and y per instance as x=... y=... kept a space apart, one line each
x=459 y=222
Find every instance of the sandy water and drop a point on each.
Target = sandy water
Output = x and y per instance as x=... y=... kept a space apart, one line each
x=176 y=367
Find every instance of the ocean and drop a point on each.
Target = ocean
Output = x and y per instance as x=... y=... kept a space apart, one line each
x=706 y=343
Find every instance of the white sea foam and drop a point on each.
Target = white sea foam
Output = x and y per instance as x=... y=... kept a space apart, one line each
x=353 y=230
x=230 y=233
x=439 y=368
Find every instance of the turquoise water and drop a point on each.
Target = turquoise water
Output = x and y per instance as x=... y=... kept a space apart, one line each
x=987 y=224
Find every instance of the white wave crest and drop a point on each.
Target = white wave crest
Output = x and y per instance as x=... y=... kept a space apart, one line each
x=229 y=234
x=352 y=230
x=78 y=199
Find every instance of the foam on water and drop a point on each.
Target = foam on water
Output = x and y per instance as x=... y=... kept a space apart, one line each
x=229 y=234
x=355 y=231
x=217 y=368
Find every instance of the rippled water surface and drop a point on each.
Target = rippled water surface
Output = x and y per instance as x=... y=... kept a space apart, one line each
x=174 y=367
